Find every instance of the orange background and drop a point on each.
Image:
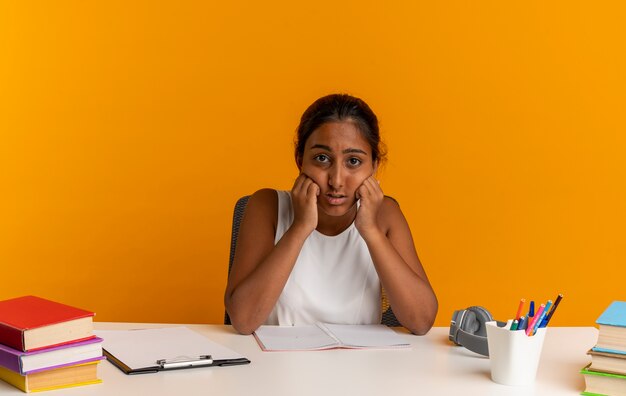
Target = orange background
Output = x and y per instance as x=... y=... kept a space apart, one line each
x=129 y=129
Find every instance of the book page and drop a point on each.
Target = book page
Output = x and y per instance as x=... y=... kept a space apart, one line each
x=366 y=336
x=293 y=338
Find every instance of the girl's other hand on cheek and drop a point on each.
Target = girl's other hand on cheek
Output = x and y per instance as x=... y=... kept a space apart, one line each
x=371 y=196
x=304 y=198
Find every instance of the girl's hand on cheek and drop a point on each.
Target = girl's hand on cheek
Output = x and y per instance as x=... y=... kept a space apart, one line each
x=371 y=196
x=304 y=199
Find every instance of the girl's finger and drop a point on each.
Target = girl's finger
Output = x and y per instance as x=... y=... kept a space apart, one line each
x=313 y=189
x=297 y=185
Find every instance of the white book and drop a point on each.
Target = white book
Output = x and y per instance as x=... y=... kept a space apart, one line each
x=327 y=336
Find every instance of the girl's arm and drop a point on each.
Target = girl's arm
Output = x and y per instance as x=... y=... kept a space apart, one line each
x=260 y=269
x=388 y=237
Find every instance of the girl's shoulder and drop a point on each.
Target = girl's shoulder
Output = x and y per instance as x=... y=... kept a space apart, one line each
x=263 y=204
x=264 y=198
x=390 y=205
x=390 y=213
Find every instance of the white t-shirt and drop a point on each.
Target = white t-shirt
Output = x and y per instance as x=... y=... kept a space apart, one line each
x=333 y=280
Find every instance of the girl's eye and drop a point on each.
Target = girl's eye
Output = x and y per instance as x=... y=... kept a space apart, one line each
x=322 y=158
x=354 y=161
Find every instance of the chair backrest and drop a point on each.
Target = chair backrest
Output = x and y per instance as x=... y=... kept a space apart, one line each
x=388 y=317
x=240 y=207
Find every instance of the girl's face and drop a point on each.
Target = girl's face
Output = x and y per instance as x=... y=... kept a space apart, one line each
x=338 y=159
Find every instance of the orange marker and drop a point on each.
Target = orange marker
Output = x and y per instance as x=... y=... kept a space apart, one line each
x=519 y=309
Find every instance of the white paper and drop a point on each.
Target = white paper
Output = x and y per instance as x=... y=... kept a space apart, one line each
x=142 y=348
x=294 y=337
x=366 y=336
x=326 y=336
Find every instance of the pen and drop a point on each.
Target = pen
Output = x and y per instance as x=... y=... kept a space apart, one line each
x=531 y=325
x=522 y=323
x=556 y=304
x=541 y=317
x=531 y=313
x=519 y=309
x=514 y=325
x=202 y=360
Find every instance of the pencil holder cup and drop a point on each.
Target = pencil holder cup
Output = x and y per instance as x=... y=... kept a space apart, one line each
x=514 y=356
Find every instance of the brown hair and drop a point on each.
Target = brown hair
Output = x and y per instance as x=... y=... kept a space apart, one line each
x=336 y=108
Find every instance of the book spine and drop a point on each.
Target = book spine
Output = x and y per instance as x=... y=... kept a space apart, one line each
x=18 y=381
x=10 y=361
x=10 y=336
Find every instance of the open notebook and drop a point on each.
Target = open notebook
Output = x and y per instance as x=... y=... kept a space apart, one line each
x=327 y=336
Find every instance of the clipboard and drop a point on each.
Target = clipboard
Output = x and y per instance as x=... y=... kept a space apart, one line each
x=169 y=348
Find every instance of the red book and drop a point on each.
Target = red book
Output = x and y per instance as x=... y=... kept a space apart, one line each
x=30 y=323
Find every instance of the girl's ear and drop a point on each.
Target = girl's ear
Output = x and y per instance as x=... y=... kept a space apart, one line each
x=375 y=167
x=299 y=162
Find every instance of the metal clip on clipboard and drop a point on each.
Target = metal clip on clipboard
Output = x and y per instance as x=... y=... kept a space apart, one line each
x=185 y=362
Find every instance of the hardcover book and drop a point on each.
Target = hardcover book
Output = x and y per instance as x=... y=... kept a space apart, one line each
x=29 y=323
x=612 y=328
x=48 y=358
x=601 y=383
x=64 y=377
x=614 y=363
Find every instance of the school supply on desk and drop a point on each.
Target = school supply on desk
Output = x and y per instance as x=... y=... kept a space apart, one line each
x=514 y=347
x=513 y=356
x=534 y=320
x=327 y=336
x=612 y=328
x=606 y=374
x=28 y=323
x=467 y=327
x=49 y=358
x=169 y=348
x=548 y=317
x=614 y=363
x=63 y=377
x=602 y=383
x=47 y=345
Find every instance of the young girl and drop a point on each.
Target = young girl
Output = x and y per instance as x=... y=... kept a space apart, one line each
x=322 y=251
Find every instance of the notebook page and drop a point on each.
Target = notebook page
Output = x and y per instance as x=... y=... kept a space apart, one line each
x=293 y=338
x=366 y=336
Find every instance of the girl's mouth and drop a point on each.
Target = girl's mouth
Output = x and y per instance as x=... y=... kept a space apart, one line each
x=336 y=199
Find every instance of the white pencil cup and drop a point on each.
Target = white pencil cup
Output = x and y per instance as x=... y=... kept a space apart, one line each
x=514 y=356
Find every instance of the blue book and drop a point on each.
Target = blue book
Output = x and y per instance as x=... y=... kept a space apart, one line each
x=612 y=328
x=614 y=315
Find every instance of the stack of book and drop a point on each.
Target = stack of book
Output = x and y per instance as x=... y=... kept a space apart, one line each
x=47 y=345
x=606 y=374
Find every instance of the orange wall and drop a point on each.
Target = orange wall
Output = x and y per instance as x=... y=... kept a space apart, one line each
x=128 y=130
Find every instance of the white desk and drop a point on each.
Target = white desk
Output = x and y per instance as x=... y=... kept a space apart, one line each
x=432 y=366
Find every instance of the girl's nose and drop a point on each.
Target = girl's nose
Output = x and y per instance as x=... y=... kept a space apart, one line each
x=335 y=177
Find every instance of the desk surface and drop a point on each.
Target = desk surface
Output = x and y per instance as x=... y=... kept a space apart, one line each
x=431 y=366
